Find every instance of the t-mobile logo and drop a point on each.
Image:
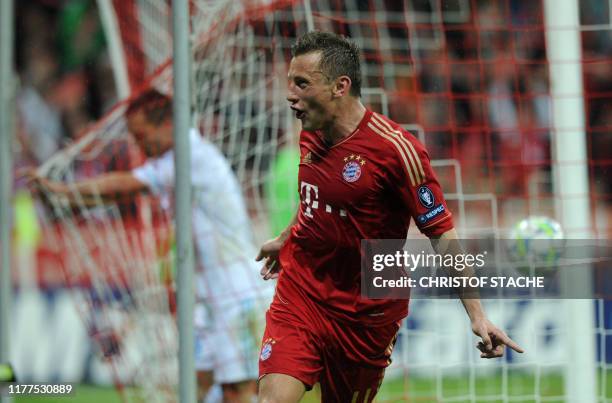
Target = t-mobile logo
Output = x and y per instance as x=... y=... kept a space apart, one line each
x=311 y=203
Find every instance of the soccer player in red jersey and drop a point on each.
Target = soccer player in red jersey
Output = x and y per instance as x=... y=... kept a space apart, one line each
x=361 y=176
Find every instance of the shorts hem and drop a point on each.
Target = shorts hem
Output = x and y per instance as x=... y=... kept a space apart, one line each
x=291 y=374
x=236 y=380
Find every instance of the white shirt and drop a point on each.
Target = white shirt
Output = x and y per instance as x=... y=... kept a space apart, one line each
x=221 y=227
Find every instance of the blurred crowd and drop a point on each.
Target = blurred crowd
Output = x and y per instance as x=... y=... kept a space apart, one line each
x=482 y=97
x=65 y=77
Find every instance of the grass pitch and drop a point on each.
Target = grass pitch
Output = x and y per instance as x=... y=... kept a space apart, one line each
x=495 y=389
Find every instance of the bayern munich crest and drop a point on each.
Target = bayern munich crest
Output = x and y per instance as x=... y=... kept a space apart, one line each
x=266 y=350
x=352 y=169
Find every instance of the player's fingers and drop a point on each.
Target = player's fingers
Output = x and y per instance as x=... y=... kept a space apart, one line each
x=498 y=346
x=274 y=272
x=497 y=352
x=271 y=264
x=266 y=268
x=30 y=178
x=26 y=172
x=23 y=172
x=485 y=355
x=510 y=343
x=486 y=339
x=483 y=348
x=260 y=255
x=266 y=250
x=483 y=351
x=36 y=184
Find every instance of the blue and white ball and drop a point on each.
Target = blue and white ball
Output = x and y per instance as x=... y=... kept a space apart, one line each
x=535 y=244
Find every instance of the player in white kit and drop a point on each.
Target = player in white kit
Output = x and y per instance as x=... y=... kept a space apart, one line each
x=231 y=298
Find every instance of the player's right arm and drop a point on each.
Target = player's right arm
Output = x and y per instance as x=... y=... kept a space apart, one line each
x=270 y=249
x=111 y=185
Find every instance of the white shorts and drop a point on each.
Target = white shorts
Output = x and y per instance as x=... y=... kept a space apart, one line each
x=228 y=336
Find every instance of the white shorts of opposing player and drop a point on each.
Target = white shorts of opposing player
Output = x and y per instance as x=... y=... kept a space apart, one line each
x=232 y=297
x=229 y=327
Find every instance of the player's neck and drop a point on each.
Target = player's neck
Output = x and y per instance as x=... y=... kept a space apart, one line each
x=345 y=122
x=166 y=147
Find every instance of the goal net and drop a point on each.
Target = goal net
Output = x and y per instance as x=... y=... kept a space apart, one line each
x=117 y=256
x=468 y=78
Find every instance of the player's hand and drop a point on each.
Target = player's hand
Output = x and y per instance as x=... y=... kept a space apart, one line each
x=32 y=179
x=493 y=341
x=269 y=251
x=38 y=183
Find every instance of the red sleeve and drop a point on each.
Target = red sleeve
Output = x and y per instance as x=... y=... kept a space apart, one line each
x=418 y=187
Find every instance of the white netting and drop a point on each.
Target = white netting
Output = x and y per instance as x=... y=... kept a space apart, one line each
x=118 y=254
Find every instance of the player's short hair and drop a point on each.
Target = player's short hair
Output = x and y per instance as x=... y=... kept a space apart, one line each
x=339 y=56
x=157 y=107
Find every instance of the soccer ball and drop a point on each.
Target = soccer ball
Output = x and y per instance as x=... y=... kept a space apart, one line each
x=535 y=245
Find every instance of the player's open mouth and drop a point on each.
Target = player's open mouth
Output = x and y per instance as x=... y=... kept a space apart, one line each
x=300 y=114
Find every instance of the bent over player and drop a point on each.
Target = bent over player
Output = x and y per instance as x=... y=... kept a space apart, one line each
x=361 y=176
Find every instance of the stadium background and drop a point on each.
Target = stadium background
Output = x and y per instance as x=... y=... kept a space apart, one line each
x=472 y=75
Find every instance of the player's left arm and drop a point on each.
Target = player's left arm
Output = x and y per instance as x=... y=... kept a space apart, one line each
x=422 y=195
x=493 y=339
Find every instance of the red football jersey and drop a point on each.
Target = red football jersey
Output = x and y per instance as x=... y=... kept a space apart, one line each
x=367 y=186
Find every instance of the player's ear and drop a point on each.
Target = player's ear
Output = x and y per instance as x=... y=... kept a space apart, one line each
x=342 y=86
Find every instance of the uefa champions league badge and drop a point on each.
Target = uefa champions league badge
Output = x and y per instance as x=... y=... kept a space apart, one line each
x=352 y=169
x=426 y=197
x=266 y=350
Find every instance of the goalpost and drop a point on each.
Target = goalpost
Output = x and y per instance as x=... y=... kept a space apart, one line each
x=240 y=51
x=6 y=141
x=182 y=162
x=571 y=186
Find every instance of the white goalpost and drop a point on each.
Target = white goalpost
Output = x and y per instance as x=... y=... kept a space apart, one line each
x=571 y=185
x=7 y=87
x=181 y=68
